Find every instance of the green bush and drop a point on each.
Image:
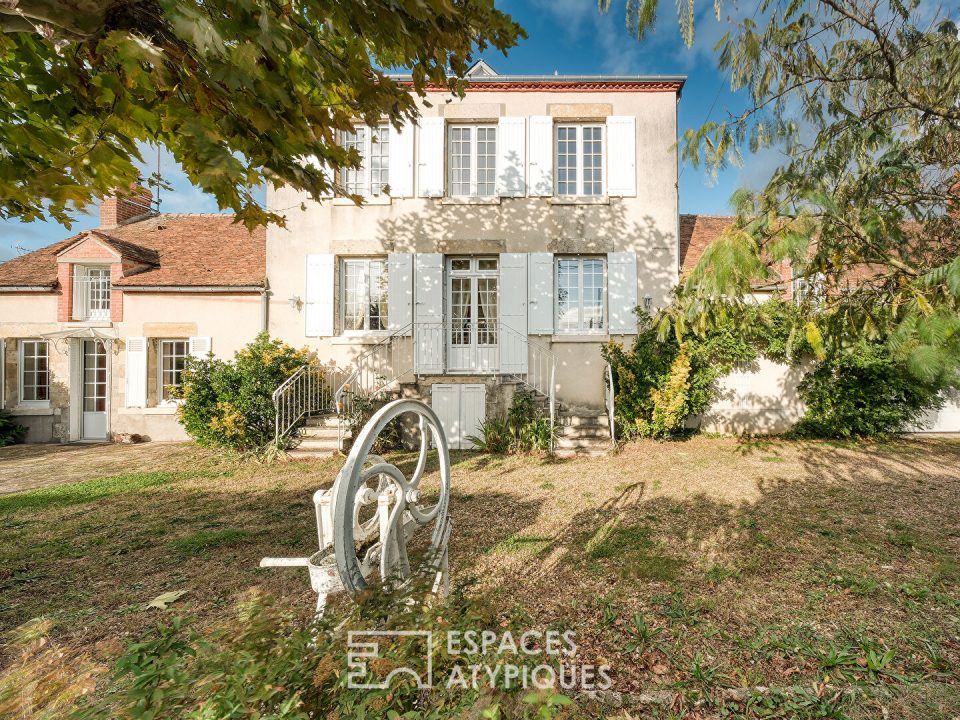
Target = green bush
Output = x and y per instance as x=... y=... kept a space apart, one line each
x=862 y=391
x=230 y=403
x=524 y=429
x=495 y=435
x=11 y=432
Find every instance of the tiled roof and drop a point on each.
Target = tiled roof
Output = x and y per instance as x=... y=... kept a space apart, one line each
x=182 y=251
x=698 y=231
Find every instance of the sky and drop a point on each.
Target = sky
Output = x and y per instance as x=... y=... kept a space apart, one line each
x=567 y=37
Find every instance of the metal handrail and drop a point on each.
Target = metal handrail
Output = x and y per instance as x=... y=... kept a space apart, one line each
x=610 y=400
x=306 y=391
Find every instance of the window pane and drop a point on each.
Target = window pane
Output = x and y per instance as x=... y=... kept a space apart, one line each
x=592 y=294
x=581 y=295
x=486 y=161
x=566 y=160
x=354 y=294
x=568 y=294
x=378 y=295
x=460 y=161
x=460 y=310
x=353 y=179
x=487 y=311
x=173 y=354
x=460 y=264
x=592 y=161
x=34 y=374
x=487 y=263
x=379 y=159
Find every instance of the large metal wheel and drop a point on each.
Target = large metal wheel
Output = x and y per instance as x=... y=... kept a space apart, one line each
x=365 y=472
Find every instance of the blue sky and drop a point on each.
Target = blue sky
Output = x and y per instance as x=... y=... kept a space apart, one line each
x=569 y=37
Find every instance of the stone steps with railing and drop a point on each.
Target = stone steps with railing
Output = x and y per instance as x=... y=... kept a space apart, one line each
x=583 y=434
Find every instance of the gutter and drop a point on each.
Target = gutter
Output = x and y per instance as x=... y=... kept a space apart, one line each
x=494 y=79
x=192 y=288
x=27 y=288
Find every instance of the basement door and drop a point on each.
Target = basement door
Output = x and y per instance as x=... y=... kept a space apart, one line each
x=461 y=409
x=472 y=299
x=94 y=419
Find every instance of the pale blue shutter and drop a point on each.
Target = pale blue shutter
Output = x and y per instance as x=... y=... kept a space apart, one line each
x=400 y=291
x=540 y=156
x=430 y=150
x=401 y=161
x=622 y=156
x=512 y=157
x=622 y=292
x=136 y=372
x=513 y=313
x=318 y=310
x=428 y=331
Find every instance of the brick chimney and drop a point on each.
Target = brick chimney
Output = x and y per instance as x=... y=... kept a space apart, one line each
x=121 y=208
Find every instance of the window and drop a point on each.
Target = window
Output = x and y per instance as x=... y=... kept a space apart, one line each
x=34 y=373
x=91 y=293
x=173 y=354
x=581 y=295
x=364 y=296
x=373 y=144
x=579 y=160
x=473 y=160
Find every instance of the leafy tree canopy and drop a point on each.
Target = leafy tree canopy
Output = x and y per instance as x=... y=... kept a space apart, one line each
x=237 y=90
x=863 y=99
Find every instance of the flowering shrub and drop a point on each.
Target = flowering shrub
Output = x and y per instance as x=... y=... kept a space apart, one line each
x=229 y=403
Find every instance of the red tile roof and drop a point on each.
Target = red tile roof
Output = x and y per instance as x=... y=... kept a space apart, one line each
x=180 y=250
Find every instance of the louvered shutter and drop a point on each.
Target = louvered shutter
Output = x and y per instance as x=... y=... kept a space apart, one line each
x=80 y=294
x=400 y=291
x=200 y=346
x=513 y=313
x=540 y=156
x=540 y=291
x=622 y=292
x=318 y=310
x=512 y=157
x=428 y=313
x=430 y=151
x=622 y=155
x=136 y=371
x=401 y=161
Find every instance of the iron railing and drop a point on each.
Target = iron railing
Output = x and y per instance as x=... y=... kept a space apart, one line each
x=310 y=390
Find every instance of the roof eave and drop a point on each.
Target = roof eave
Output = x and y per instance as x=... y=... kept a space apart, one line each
x=28 y=288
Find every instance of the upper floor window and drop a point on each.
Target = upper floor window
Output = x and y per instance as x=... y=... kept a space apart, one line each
x=172 y=356
x=364 y=296
x=579 y=160
x=34 y=372
x=373 y=145
x=581 y=295
x=91 y=292
x=472 y=161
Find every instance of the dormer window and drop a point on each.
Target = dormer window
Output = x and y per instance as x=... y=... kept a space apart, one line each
x=91 y=293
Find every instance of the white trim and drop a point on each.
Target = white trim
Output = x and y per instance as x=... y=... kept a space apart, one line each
x=364 y=290
x=31 y=403
x=580 y=330
x=161 y=402
x=578 y=154
x=473 y=157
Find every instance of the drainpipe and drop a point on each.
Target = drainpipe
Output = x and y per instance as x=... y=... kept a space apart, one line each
x=265 y=307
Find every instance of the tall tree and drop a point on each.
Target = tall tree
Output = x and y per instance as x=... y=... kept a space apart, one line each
x=238 y=90
x=863 y=99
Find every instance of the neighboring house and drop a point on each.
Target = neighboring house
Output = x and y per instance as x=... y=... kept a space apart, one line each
x=502 y=241
x=94 y=329
x=762 y=397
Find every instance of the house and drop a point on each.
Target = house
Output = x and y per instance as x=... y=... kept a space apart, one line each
x=94 y=329
x=501 y=242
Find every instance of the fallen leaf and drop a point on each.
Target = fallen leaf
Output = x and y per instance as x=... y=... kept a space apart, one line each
x=660 y=669
x=162 y=601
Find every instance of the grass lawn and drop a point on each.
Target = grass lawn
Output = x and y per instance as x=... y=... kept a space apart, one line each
x=691 y=568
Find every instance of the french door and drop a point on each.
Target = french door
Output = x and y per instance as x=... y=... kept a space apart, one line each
x=95 y=388
x=472 y=299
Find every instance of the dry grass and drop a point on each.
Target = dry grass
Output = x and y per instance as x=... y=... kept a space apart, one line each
x=687 y=566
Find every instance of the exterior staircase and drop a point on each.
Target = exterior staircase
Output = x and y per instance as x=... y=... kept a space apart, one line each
x=320 y=439
x=583 y=434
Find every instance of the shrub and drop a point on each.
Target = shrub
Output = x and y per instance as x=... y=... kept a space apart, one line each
x=230 y=403
x=524 y=429
x=671 y=402
x=363 y=407
x=11 y=432
x=862 y=391
x=495 y=435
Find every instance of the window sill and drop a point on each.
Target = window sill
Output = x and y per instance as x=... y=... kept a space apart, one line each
x=157 y=410
x=584 y=338
x=561 y=200
x=25 y=410
x=371 y=338
x=470 y=201
x=378 y=200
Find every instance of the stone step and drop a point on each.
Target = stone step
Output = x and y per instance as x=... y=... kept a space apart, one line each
x=312 y=444
x=320 y=432
x=322 y=421
x=298 y=454
x=585 y=431
x=569 y=419
x=578 y=453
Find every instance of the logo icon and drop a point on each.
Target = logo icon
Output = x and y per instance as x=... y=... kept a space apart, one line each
x=363 y=654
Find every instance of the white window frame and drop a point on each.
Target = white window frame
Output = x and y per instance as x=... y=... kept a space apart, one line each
x=364 y=184
x=474 y=189
x=578 y=155
x=20 y=371
x=581 y=328
x=87 y=314
x=161 y=400
x=344 y=262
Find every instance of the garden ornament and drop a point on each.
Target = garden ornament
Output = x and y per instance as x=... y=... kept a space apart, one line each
x=372 y=514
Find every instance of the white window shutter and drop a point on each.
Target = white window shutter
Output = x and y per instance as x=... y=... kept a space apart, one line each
x=430 y=151
x=399 y=291
x=401 y=161
x=622 y=292
x=512 y=157
x=622 y=155
x=318 y=310
x=473 y=411
x=540 y=291
x=80 y=289
x=428 y=313
x=445 y=401
x=200 y=346
x=540 y=156
x=513 y=313
x=136 y=370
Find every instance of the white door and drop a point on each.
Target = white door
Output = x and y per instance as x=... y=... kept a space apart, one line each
x=95 y=388
x=461 y=410
x=472 y=299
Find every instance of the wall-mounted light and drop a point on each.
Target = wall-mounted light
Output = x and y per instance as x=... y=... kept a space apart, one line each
x=295 y=302
x=647 y=303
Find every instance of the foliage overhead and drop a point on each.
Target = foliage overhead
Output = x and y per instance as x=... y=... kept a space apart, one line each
x=238 y=91
x=863 y=99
